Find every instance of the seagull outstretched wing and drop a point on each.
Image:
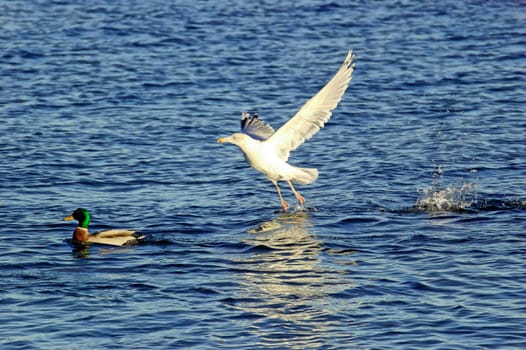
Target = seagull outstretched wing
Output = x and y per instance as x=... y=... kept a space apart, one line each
x=314 y=114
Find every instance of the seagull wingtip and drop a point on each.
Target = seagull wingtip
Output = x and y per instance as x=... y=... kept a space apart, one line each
x=350 y=56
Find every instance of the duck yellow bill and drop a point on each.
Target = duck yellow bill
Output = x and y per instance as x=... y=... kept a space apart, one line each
x=67 y=218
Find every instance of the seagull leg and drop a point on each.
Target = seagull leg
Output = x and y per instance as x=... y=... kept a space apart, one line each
x=298 y=196
x=284 y=204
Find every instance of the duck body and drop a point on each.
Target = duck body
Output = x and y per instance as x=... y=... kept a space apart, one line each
x=115 y=237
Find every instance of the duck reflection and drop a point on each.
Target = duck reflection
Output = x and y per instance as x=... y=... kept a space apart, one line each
x=83 y=251
x=287 y=281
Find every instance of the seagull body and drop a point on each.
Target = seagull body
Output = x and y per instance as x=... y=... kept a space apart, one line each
x=268 y=151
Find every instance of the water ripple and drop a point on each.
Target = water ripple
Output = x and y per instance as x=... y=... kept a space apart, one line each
x=413 y=234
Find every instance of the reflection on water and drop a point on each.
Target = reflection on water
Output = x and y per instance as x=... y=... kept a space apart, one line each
x=288 y=284
x=82 y=251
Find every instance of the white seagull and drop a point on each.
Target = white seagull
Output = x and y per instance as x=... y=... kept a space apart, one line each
x=268 y=151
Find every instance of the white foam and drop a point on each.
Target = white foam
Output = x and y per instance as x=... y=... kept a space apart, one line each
x=458 y=197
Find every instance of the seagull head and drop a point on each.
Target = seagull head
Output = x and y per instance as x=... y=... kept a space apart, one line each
x=237 y=139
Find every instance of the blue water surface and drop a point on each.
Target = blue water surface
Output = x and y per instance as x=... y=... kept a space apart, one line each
x=413 y=237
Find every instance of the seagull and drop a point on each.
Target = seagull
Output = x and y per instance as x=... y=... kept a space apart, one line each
x=268 y=151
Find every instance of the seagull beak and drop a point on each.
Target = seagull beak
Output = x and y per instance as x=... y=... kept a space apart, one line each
x=221 y=140
x=68 y=218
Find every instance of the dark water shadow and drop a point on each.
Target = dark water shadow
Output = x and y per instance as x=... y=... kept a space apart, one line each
x=475 y=206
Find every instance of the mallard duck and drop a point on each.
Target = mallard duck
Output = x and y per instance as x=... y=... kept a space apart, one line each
x=116 y=237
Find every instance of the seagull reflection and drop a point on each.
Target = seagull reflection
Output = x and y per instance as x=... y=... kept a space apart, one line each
x=286 y=282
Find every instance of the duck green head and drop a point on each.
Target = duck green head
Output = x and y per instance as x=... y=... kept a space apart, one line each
x=81 y=215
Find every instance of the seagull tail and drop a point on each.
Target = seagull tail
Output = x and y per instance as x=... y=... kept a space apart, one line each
x=304 y=176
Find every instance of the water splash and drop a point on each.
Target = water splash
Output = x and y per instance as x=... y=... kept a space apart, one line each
x=452 y=198
x=461 y=196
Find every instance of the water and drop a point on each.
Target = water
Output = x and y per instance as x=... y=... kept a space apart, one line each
x=414 y=233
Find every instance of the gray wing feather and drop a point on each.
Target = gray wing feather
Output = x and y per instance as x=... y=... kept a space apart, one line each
x=255 y=127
